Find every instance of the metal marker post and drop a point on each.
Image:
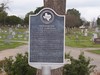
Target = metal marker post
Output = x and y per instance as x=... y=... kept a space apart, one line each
x=46 y=70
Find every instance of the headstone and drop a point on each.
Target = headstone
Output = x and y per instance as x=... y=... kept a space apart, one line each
x=90 y=25
x=5 y=31
x=7 y=41
x=24 y=26
x=77 y=38
x=94 y=36
x=86 y=32
x=82 y=28
x=18 y=25
x=13 y=34
x=4 y=37
x=9 y=36
x=97 y=40
x=27 y=32
x=97 y=29
x=19 y=33
x=20 y=36
x=46 y=39
x=12 y=26
x=0 y=37
x=0 y=30
x=26 y=37
x=15 y=28
x=10 y=30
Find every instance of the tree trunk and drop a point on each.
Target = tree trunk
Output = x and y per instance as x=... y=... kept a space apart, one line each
x=58 y=5
x=53 y=72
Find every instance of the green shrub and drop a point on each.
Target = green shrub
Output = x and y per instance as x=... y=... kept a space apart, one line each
x=80 y=66
x=18 y=66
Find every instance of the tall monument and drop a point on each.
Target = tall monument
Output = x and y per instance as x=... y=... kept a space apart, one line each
x=58 y=5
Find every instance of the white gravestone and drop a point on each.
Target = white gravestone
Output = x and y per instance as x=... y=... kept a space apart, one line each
x=97 y=29
x=82 y=28
x=86 y=32
x=0 y=37
x=94 y=36
x=20 y=36
x=90 y=25
x=7 y=41
x=13 y=34
x=10 y=30
x=9 y=36
x=0 y=30
x=18 y=25
x=5 y=31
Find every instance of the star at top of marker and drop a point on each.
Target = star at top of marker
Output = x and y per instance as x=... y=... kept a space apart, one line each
x=47 y=16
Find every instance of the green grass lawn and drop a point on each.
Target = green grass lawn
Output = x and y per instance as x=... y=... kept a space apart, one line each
x=5 y=34
x=15 y=44
x=11 y=45
x=95 y=51
x=81 y=42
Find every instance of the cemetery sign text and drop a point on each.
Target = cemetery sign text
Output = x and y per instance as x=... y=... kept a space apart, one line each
x=46 y=43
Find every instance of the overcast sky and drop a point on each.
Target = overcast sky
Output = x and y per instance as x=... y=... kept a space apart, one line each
x=89 y=9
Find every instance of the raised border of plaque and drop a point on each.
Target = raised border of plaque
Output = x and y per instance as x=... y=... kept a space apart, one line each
x=46 y=19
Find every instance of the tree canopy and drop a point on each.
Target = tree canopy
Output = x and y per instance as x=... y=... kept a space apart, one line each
x=73 y=12
x=3 y=15
x=38 y=9
x=26 y=19
x=73 y=21
x=73 y=18
x=3 y=6
x=98 y=21
x=13 y=20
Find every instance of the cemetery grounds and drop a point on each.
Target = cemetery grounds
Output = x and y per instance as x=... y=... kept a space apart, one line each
x=75 y=38
x=11 y=37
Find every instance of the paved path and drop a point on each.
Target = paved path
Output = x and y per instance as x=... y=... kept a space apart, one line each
x=73 y=51
x=76 y=51
x=13 y=52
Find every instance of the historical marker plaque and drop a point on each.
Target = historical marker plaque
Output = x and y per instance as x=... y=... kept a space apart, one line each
x=46 y=37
